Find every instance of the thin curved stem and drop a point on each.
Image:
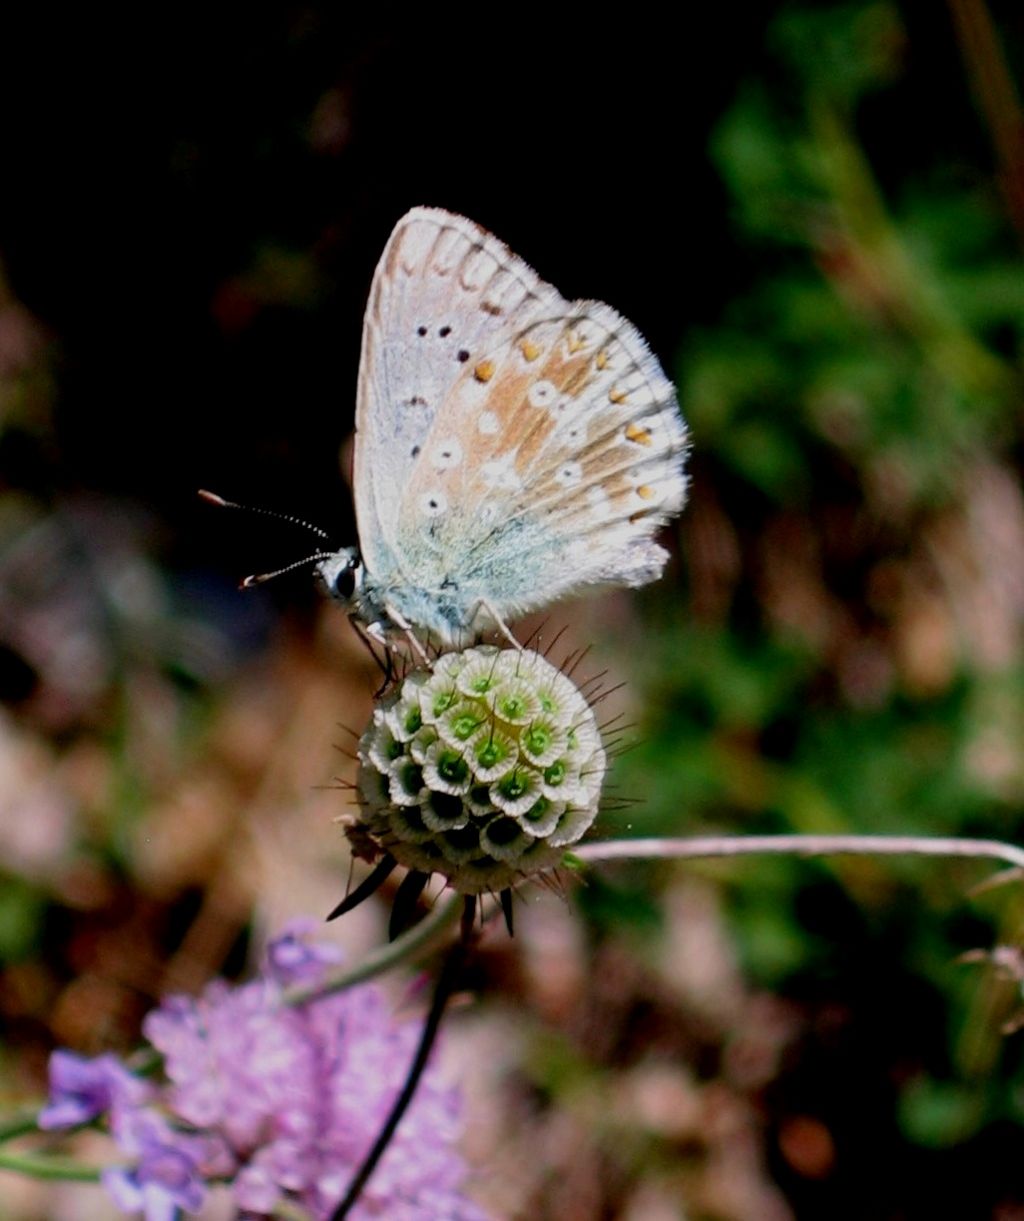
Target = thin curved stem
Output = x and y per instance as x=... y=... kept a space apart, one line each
x=407 y=948
x=443 y=990
x=20 y=1123
x=710 y=846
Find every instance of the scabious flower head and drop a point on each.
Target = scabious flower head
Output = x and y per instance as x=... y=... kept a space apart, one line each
x=278 y=1102
x=484 y=769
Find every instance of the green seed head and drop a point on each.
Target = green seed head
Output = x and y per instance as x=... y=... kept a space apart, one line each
x=483 y=769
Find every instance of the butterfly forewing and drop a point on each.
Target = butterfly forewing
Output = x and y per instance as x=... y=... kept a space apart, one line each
x=443 y=291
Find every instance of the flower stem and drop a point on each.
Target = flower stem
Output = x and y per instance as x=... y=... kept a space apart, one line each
x=49 y=1168
x=710 y=846
x=20 y=1123
x=407 y=948
x=451 y=971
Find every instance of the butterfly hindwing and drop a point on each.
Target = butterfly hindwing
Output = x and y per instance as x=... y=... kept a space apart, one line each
x=551 y=465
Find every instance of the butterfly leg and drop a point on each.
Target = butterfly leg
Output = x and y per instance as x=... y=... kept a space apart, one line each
x=403 y=625
x=385 y=660
x=502 y=626
x=383 y=663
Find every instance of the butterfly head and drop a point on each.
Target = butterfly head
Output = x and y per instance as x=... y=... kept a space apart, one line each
x=341 y=576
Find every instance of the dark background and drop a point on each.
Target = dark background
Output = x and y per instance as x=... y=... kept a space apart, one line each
x=195 y=209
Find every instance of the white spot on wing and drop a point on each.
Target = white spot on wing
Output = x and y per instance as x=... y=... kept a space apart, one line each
x=501 y=473
x=487 y=423
x=541 y=394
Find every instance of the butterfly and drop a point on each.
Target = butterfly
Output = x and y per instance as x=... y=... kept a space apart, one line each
x=512 y=448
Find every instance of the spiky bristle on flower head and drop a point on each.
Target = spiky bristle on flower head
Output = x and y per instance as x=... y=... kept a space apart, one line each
x=484 y=769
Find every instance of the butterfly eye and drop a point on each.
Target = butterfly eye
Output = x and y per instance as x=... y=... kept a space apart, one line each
x=340 y=575
x=344 y=583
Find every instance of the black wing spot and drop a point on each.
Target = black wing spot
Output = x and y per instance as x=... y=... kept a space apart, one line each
x=417 y=400
x=462 y=356
x=445 y=331
x=421 y=331
x=415 y=451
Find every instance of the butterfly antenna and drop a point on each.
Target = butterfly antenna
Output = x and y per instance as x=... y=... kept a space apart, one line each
x=260 y=577
x=213 y=499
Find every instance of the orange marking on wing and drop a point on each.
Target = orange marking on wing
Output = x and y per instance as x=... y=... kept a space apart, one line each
x=616 y=395
x=529 y=350
x=637 y=434
x=575 y=342
x=484 y=371
x=601 y=360
x=645 y=491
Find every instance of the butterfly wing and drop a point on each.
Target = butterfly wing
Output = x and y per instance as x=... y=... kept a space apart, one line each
x=444 y=290
x=535 y=454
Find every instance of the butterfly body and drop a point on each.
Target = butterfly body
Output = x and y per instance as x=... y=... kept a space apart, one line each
x=512 y=447
x=438 y=609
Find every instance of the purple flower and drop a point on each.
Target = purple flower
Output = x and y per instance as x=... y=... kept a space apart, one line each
x=299 y=1094
x=279 y=1102
x=82 y=1089
x=164 y=1181
x=291 y=959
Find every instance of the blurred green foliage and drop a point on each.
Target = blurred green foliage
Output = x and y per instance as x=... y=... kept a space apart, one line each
x=846 y=656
